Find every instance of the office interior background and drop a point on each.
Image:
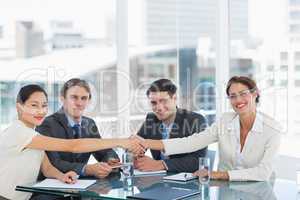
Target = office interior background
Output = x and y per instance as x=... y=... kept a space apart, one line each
x=121 y=46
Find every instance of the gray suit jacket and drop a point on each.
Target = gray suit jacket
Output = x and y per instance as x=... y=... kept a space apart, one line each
x=186 y=123
x=56 y=125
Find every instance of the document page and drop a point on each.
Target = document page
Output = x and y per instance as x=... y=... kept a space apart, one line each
x=54 y=183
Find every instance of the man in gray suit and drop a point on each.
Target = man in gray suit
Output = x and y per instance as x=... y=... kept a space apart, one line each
x=169 y=121
x=69 y=123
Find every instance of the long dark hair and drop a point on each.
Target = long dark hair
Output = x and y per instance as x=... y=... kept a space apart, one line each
x=27 y=90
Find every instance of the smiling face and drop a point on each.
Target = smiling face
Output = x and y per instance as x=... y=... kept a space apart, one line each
x=163 y=105
x=242 y=99
x=33 y=111
x=76 y=101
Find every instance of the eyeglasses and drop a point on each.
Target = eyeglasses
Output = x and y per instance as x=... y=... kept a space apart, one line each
x=242 y=94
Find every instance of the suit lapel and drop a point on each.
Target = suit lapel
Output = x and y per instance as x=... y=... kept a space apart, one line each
x=62 y=119
x=176 y=130
x=85 y=126
x=254 y=136
x=231 y=131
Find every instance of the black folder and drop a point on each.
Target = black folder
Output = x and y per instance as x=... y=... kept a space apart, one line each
x=165 y=193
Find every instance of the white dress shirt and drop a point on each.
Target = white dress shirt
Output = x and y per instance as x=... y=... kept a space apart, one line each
x=19 y=165
x=253 y=163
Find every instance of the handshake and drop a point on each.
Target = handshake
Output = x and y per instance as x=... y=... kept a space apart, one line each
x=136 y=144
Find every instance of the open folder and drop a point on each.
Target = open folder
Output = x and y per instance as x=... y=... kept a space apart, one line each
x=54 y=183
x=165 y=193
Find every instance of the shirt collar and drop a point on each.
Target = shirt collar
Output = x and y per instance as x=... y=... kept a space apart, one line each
x=165 y=126
x=71 y=121
x=257 y=126
x=258 y=123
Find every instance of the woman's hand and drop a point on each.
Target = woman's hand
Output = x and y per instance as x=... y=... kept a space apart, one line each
x=69 y=177
x=201 y=173
x=216 y=175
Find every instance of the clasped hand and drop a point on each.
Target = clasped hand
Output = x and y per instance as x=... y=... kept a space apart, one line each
x=138 y=145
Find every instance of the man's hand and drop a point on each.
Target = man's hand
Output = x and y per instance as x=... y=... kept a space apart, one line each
x=146 y=163
x=99 y=170
x=141 y=140
x=142 y=143
x=114 y=162
x=69 y=177
x=133 y=145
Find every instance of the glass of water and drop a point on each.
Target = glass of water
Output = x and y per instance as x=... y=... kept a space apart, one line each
x=204 y=168
x=127 y=169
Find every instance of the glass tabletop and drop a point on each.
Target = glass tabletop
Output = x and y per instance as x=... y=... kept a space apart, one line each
x=114 y=187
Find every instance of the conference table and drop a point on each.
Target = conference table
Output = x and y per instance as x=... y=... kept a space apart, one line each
x=114 y=187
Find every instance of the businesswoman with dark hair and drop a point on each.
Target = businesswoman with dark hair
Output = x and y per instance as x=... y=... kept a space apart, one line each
x=22 y=148
x=248 y=140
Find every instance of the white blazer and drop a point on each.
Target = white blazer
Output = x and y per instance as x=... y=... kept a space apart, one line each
x=260 y=148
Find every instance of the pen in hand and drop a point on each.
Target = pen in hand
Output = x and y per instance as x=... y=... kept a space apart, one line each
x=70 y=177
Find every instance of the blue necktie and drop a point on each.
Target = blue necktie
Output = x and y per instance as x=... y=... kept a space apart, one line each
x=76 y=131
x=164 y=135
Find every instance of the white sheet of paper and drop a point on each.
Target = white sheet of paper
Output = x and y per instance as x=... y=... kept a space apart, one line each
x=184 y=176
x=147 y=173
x=54 y=183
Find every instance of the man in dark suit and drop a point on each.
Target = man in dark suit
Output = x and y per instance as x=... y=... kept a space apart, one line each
x=69 y=123
x=168 y=121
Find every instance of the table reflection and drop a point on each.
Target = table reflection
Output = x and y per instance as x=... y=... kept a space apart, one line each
x=247 y=191
x=113 y=187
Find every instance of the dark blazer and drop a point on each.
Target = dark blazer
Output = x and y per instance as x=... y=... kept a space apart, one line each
x=186 y=123
x=56 y=125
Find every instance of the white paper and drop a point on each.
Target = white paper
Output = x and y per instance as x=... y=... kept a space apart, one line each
x=54 y=183
x=148 y=173
x=180 y=177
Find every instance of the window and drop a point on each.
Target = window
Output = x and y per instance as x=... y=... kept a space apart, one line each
x=54 y=44
x=297 y=68
x=283 y=56
x=269 y=60
x=297 y=83
x=181 y=37
x=294 y=2
x=295 y=15
x=297 y=56
x=1 y=32
x=270 y=67
x=283 y=67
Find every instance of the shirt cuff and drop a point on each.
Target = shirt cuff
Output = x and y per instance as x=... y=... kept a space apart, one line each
x=234 y=175
x=165 y=165
x=82 y=171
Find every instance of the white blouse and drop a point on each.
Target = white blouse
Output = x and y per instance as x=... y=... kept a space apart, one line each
x=256 y=159
x=19 y=165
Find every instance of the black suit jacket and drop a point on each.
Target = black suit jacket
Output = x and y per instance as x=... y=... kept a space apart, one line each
x=186 y=123
x=56 y=125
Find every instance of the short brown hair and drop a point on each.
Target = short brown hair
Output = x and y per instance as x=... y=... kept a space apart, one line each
x=75 y=82
x=162 y=85
x=245 y=81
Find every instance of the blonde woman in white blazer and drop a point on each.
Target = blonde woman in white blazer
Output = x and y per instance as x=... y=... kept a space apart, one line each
x=248 y=140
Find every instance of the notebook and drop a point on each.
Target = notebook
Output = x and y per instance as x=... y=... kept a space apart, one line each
x=165 y=193
x=148 y=173
x=180 y=177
